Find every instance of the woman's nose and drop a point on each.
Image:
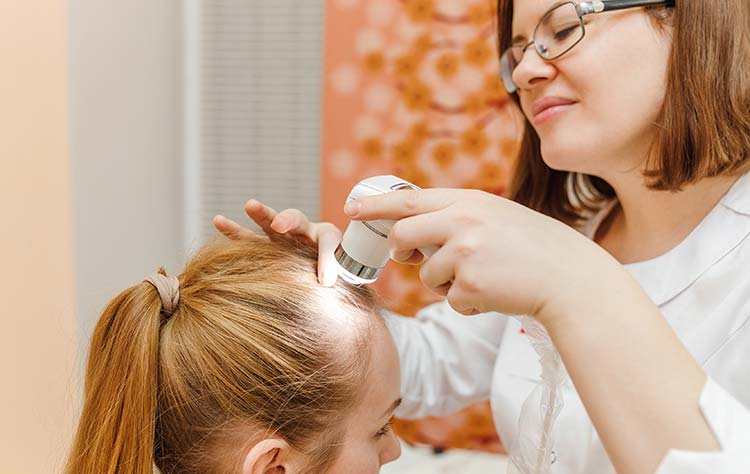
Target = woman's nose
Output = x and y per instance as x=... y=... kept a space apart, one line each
x=532 y=70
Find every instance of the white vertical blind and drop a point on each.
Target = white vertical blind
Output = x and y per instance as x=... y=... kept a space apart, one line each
x=255 y=107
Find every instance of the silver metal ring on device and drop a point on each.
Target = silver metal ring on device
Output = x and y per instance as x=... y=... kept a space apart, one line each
x=354 y=267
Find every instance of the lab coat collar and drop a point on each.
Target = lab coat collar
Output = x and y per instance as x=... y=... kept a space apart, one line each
x=723 y=229
x=738 y=197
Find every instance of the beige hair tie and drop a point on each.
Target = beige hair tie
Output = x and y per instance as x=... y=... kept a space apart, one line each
x=168 y=288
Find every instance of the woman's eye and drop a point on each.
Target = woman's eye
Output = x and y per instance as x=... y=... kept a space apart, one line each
x=565 y=32
x=384 y=430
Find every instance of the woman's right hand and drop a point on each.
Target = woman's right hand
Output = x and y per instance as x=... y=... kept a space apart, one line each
x=289 y=223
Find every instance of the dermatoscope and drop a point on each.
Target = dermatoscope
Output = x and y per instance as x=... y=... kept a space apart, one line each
x=363 y=251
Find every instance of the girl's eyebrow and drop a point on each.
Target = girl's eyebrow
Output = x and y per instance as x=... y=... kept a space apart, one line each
x=518 y=39
x=392 y=408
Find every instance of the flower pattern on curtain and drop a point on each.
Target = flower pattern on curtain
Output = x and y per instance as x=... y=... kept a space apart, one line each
x=411 y=88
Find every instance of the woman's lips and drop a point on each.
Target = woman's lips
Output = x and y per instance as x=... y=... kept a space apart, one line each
x=550 y=107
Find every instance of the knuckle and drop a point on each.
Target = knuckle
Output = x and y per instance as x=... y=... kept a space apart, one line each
x=469 y=284
x=466 y=219
x=411 y=200
x=464 y=250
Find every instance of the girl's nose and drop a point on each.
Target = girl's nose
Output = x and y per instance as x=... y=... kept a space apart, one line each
x=391 y=451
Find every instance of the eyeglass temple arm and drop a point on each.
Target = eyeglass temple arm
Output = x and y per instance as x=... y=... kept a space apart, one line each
x=611 y=5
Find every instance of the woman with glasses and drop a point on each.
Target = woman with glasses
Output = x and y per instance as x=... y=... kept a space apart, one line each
x=627 y=236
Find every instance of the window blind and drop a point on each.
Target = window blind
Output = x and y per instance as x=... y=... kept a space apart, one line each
x=253 y=83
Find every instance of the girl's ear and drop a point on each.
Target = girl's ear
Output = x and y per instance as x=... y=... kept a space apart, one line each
x=270 y=456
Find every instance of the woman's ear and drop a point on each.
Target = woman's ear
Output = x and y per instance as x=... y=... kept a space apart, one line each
x=270 y=456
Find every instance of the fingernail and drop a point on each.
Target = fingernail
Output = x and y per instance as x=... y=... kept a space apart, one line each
x=352 y=208
x=226 y=219
x=401 y=255
x=280 y=226
x=328 y=279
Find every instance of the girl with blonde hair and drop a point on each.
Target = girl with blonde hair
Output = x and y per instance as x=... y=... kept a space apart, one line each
x=242 y=364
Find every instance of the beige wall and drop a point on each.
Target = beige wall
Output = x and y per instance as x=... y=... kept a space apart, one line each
x=37 y=336
x=125 y=123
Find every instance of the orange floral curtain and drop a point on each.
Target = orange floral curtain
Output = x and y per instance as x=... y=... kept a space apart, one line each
x=412 y=89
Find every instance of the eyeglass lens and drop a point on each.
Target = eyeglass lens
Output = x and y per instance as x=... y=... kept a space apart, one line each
x=556 y=33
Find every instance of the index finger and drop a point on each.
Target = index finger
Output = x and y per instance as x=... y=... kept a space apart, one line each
x=400 y=204
x=262 y=215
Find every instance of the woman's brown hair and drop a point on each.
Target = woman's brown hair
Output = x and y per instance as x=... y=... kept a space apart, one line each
x=251 y=348
x=703 y=129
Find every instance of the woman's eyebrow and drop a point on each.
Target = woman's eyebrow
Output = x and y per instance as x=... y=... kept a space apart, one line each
x=521 y=38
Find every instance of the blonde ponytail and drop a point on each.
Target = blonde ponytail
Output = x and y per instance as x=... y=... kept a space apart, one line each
x=116 y=430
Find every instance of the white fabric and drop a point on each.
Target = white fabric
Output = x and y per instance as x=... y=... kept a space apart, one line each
x=730 y=422
x=702 y=287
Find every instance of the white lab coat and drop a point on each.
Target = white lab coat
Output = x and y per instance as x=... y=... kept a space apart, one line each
x=702 y=287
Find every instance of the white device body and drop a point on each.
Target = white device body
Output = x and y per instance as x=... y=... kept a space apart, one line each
x=363 y=251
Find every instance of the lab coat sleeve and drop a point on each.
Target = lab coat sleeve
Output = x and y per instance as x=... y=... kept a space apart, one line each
x=447 y=359
x=730 y=422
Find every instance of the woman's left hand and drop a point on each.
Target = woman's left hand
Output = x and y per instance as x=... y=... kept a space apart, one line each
x=289 y=224
x=494 y=254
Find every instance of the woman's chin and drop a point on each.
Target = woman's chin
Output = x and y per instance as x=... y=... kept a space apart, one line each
x=560 y=157
x=563 y=163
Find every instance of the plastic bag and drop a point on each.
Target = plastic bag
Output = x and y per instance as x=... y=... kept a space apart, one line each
x=533 y=451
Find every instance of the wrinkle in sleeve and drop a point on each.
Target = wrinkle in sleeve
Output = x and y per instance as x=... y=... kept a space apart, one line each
x=730 y=422
x=447 y=359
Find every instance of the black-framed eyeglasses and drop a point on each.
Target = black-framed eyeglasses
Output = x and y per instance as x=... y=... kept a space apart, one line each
x=559 y=30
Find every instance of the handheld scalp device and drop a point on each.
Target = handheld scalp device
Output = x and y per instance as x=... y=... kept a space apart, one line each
x=363 y=251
